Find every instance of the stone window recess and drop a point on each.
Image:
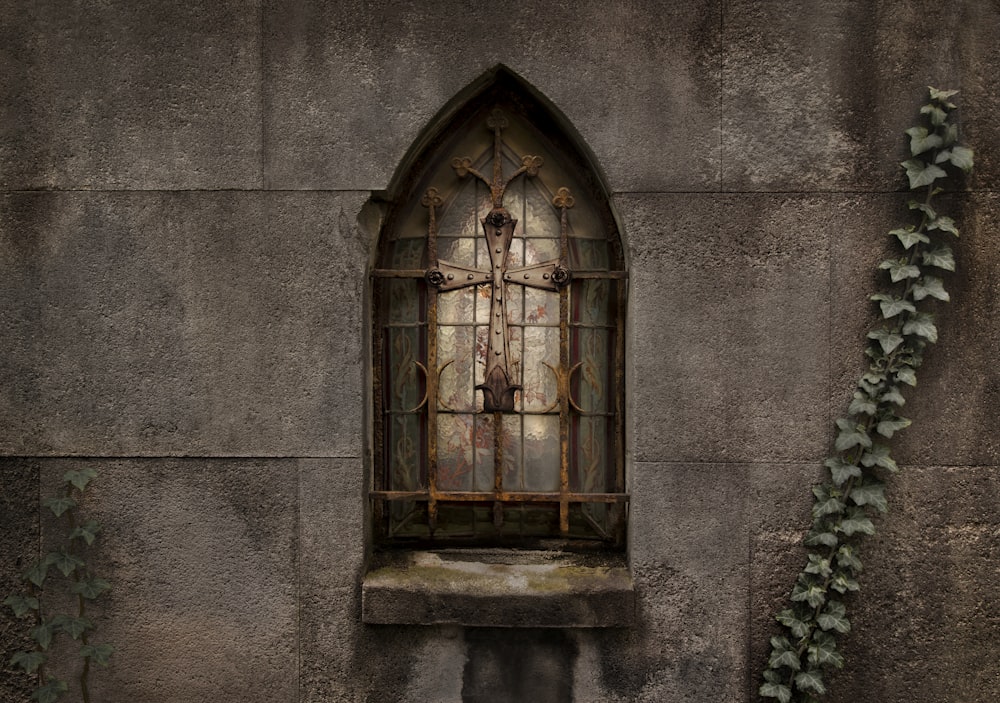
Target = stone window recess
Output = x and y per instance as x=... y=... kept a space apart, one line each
x=498 y=344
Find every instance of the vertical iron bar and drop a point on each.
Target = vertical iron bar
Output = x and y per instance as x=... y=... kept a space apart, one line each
x=379 y=477
x=563 y=201
x=431 y=201
x=619 y=511
x=497 y=469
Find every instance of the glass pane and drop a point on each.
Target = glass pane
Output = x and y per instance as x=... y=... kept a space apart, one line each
x=483 y=480
x=455 y=219
x=541 y=306
x=455 y=384
x=455 y=306
x=513 y=473
x=402 y=299
x=461 y=252
x=541 y=346
x=592 y=301
x=589 y=451
x=541 y=218
x=541 y=452
x=405 y=449
x=484 y=299
x=515 y=257
x=588 y=254
x=538 y=250
x=403 y=386
x=592 y=385
x=454 y=452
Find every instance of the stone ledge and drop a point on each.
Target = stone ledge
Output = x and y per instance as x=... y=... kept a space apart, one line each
x=498 y=588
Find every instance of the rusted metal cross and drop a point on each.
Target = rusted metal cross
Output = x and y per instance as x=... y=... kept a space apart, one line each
x=498 y=229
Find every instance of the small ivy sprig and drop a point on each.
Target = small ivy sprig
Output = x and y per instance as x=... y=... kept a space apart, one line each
x=845 y=501
x=77 y=581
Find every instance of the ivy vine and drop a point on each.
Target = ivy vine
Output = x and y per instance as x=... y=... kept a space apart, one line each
x=854 y=489
x=78 y=583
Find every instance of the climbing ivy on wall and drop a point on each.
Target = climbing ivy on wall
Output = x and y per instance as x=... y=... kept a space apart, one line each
x=854 y=489
x=78 y=586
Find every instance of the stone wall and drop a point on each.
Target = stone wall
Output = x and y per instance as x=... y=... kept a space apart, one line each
x=184 y=248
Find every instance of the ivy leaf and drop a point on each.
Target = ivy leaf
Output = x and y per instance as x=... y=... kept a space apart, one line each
x=87 y=532
x=786 y=658
x=812 y=594
x=930 y=286
x=937 y=115
x=38 y=571
x=907 y=376
x=922 y=325
x=789 y=619
x=921 y=174
x=870 y=493
x=887 y=339
x=827 y=539
x=80 y=477
x=891 y=424
x=892 y=395
x=841 y=471
x=834 y=617
x=776 y=690
x=21 y=605
x=925 y=208
x=59 y=504
x=29 y=661
x=72 y=626
x=942 y=95
x=862 y=405
x=900 y=269
x=50 y=692
x=99 y=654
x=823 y=651
x=878 y=455
x=921 y=141
x=851 y=435
x=846 y=559
x=908 y=237
x=892 y=306
x=42 y=634
x=810 y=680
x=843 y=583
x=945 y=224
x=819 y=566
x=66 y=563
x=950 y=134
x=962 y=158
x=940 y=257
x=855 y=522
x=90 y=588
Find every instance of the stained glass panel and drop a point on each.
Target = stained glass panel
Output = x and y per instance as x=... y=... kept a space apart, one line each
x=464 y=449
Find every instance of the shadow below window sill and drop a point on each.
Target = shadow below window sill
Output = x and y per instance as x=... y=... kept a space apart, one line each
x=498 y=588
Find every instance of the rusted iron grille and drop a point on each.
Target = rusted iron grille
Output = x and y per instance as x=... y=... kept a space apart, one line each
x=410 y=498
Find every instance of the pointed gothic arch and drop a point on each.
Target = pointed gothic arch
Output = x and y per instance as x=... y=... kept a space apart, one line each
x=499 y=296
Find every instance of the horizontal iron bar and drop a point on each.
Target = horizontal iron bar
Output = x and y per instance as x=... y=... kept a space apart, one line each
x=420 y=273
x=503 y=496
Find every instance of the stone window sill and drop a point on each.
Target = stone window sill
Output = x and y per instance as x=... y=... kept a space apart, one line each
x=498 y=588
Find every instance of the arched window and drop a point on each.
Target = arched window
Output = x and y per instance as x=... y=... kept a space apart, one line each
x=498 y=337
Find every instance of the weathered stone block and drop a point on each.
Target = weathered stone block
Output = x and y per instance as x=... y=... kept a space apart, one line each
x=639 y=85
x=729 y=300
x=201 y=555
x=181 y=323
x=130 y=95
x=817 y=97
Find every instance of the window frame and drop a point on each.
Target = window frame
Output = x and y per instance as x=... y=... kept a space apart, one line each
x=413 y=188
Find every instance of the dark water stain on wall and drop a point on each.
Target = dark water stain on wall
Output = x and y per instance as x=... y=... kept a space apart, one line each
x=508 y=665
